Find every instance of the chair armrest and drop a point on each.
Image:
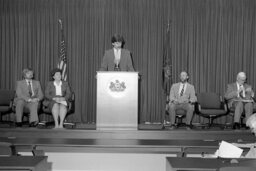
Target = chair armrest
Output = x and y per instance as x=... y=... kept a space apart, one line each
x=11 y=104
x=71 y=104
x=197 y=107
x=223 y=105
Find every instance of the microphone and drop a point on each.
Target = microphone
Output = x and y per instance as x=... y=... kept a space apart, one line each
x=117 y=68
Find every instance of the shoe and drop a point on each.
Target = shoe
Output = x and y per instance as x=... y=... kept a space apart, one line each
x=189 y=127
x=33 y=124
x=236 y=125
x=172 y=127
x=247 y=128
x=18 y=124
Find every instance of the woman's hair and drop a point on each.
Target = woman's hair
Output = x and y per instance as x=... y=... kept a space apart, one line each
x=53 y=71
x=117 y=38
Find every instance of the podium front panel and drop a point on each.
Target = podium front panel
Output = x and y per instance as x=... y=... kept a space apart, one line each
x=117 y=101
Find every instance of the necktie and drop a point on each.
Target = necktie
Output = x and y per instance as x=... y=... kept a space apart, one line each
x=241 y=94
x=182 y=90
x=30 y=89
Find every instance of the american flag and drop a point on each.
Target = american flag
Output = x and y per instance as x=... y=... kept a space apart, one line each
x=167 y=65
x=62 y=63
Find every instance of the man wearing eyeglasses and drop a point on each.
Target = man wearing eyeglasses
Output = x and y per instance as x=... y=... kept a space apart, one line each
x=240 y=98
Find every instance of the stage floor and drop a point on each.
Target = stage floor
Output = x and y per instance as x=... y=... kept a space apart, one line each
x=176 y=134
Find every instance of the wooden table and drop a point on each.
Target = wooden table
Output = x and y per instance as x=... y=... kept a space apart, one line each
x=196 y=164
x=24 y=163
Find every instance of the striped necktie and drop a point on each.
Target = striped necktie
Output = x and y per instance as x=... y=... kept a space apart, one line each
x=182 y=90
x=30 y=89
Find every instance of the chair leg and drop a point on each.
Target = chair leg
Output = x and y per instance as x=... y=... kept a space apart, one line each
x=210 y=121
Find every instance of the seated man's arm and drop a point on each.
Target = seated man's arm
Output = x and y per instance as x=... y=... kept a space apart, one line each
x=20 y=94
x=40 y=95
x=230 y=93
x=172 y=97
x=193 y=97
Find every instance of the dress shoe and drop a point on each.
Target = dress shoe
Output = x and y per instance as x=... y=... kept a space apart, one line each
x=236 y=125
x=172 y=127
x=33 y=124
x=247 y=128
x=18 y=124
x=189 y=127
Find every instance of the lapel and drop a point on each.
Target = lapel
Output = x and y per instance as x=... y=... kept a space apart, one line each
x=177 y=89
x=62 y=88
x=112 y=55
x=235 y=86
x=53 y=87
x=25 y=85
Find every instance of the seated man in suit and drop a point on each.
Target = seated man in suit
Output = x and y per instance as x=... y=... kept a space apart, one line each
x=117 y=58
x=182 y=96
x=28 y=94
x=240 y=97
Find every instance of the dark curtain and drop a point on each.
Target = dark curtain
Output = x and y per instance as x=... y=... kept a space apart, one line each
x=211 y=39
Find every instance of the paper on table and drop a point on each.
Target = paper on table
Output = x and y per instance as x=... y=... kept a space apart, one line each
x=63 y=102
x=247 y=145
x=228 y=150
x=244 y=100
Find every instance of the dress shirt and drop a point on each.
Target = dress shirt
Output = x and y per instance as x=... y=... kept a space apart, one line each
x=58 y=88
x=181 y=86
x=117 y=53
x=30 y=81
x=238 y=88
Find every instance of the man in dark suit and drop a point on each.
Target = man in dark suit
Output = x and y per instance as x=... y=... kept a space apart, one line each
x=182 y=96
x=239 y=96
x=117 y=58
x=28 y=95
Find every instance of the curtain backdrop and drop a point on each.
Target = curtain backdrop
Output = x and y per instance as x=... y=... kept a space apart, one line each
x=212 y=39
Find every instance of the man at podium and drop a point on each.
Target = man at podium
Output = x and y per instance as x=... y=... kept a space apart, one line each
x=117 y=58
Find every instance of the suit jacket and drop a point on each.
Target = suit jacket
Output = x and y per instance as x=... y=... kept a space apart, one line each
x=50 y=91
x=231 y=93
x=22 y=91
x=125 y=61
x=189 y=93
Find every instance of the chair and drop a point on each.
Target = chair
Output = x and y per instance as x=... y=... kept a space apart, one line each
x=6 y=102
x=70 y=110
x=211 y=106
x=180 y=114
x=6 y=149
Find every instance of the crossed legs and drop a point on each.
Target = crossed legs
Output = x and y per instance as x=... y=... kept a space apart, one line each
x=239 y=108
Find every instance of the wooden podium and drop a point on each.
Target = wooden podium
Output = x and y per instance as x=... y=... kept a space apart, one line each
x=117 y=100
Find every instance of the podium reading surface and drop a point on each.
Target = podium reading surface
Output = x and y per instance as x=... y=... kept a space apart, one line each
x=117 y=101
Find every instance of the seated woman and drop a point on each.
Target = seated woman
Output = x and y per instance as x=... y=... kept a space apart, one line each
x=57 y=95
